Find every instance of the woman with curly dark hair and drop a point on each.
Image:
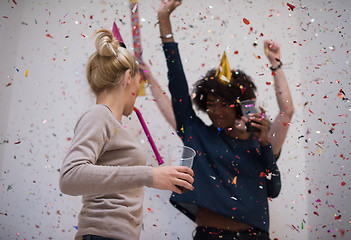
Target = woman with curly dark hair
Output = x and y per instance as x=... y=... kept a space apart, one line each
x=235 y=169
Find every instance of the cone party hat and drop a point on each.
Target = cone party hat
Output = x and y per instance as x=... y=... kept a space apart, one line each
x=223 y=72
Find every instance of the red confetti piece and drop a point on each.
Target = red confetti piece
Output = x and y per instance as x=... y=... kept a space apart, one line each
x=14 y=2
x=262 y=174
x=236 y=52
x=4 y=17
x=295 y=228
x=48 y=35
x=268 y=83
x=69 y=139
x=83 y=35
x=291 y=7
x=18 y=142
x=343 y=184
x=247 y=22
x=337 y=217
x=310 y=111
x=315 y=213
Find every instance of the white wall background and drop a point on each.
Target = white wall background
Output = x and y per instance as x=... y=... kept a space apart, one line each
x=38 y=111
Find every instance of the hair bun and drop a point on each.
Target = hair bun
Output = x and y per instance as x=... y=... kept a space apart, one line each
x=104 y=41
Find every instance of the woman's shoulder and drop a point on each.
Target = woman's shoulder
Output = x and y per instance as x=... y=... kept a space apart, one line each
x=98 y=111
x=97 y=115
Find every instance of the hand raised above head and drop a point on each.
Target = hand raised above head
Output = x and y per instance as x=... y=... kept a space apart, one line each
x=167 y=7
x=272 y=51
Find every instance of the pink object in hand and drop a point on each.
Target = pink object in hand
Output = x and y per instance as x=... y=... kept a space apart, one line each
x=147 y=133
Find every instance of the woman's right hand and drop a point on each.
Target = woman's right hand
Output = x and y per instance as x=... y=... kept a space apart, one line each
x=167 y=7
x=169 y=177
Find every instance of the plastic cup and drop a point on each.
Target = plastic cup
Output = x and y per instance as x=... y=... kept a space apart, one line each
x=181 y=156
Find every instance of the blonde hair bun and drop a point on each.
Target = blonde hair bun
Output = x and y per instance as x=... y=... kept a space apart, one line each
x=104 y=42
x=110 y=61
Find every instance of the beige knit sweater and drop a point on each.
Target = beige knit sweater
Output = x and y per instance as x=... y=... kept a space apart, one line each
x=106 y=165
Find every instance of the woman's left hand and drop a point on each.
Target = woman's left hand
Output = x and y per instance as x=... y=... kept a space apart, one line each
x=260 y=121
x=272 y=51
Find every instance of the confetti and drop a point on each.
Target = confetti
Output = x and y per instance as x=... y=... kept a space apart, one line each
x=247 y=22
x=134 y=8
x=48 y=35
x=26 y=74
x=291 y=7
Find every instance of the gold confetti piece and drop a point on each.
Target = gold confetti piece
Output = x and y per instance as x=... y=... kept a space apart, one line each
x=26 y=74
x=234 y=180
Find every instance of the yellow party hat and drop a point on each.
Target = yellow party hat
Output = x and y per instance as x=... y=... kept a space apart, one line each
x=223 y=72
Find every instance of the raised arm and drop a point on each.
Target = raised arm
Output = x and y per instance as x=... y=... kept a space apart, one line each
x=281 y=123
x=178 y=86
x=162 y=100
x=163 y=13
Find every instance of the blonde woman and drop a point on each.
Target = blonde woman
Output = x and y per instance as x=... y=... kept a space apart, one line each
x=104 y=163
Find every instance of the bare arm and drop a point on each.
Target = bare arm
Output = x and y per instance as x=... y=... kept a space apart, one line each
x=163 y=14
x=162 y=100
x=281 y=123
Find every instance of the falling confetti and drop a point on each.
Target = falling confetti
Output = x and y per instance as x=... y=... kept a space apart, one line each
x=247 y=22
x=291 y=7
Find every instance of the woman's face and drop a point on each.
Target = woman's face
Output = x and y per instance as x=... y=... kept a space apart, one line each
x=222 y=114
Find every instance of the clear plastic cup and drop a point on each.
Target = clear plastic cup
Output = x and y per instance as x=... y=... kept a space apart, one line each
x=181 y=156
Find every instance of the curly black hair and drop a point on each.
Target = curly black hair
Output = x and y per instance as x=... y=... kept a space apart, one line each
x=240 y=87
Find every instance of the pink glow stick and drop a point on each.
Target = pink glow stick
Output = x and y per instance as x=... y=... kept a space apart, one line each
x=147 y=133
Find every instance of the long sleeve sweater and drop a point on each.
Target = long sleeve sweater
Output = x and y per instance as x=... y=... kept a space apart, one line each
x=230 y=174
x=106 y=166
